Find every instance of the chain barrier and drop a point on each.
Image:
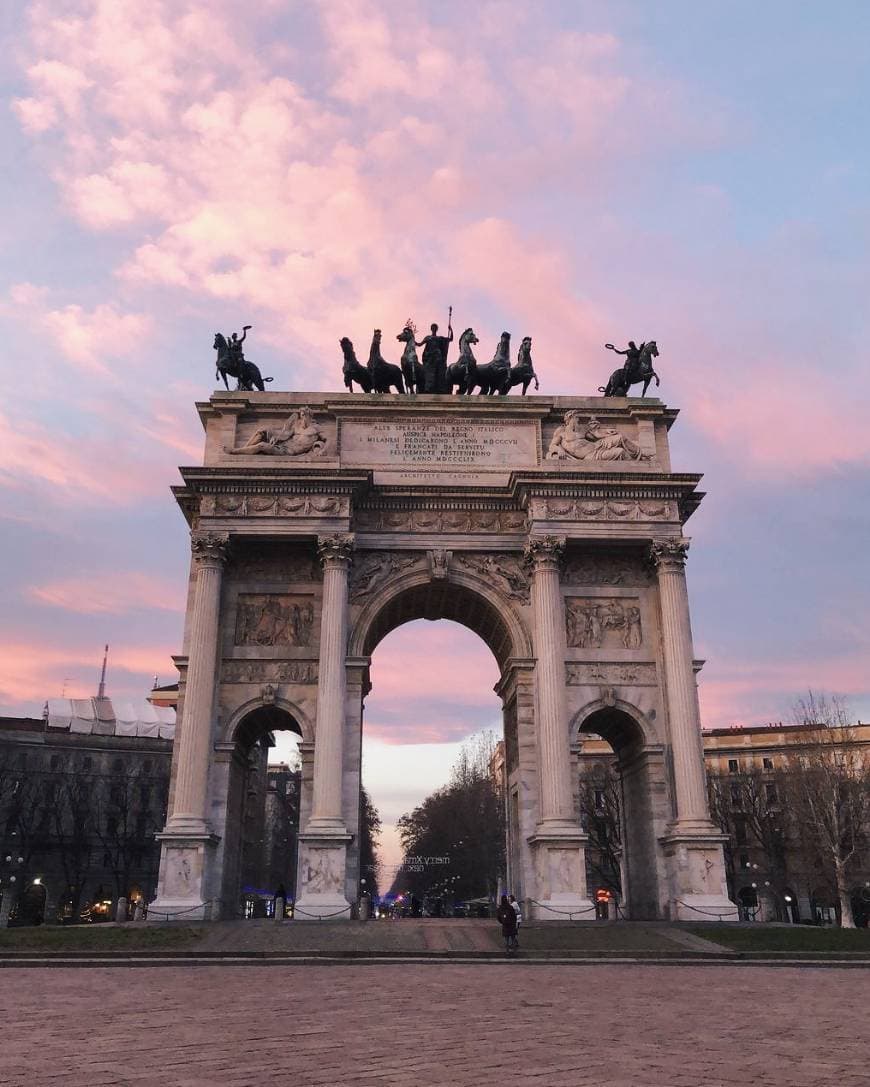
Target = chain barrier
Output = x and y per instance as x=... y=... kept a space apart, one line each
x=343 y=912
x=570 y=914
x=170 y=915
x=718 y=914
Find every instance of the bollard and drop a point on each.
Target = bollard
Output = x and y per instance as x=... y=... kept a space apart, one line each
x=279 y=909
x=121 y=911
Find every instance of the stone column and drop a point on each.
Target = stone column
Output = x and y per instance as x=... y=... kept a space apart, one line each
x=335 y=555
x=187 y=843
x=544 y=555
x=323 y=845
x=690 y=783
x=693 y=848
x=558 y=844
x=191 y=777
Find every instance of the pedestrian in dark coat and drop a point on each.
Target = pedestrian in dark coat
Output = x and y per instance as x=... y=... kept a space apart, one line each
x=507 y=916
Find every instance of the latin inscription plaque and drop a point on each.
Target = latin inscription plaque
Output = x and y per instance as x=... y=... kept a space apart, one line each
x=439 y=443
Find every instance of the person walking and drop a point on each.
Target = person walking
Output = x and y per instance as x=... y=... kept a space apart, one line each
x=507 y=917
x=518 y=911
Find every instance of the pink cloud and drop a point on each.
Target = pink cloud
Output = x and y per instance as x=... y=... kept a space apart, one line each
x=114 y=593
x=37 y=670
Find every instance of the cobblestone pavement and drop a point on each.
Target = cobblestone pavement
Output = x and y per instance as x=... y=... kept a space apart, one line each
x=434 y=1024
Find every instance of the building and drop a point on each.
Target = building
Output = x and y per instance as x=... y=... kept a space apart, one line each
x=83 y=791
x=772 y=875
x=744 y=769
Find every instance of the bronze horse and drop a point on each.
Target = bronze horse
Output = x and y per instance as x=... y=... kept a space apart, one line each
x=634 y=371
x=524 y=371
x=353 y=370
x=384 y=374
x=494 y=376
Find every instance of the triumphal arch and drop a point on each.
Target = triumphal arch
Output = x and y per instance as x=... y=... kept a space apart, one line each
x=551 y=526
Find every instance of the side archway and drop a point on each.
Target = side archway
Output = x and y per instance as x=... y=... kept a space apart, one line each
x=252 y=876
x=642 y=808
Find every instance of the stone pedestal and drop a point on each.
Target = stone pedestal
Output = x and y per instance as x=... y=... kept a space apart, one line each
x=558 y=844
x=323 y=859
x=696 y=876
x=182 y=893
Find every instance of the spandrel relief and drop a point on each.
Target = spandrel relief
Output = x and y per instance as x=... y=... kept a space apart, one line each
x=599 y=623
x=267 y=619
x=503 y=572
x=374 y=570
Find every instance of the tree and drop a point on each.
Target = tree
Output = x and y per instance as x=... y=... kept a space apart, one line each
x=599 y=801
x=461 y=823
x=126 y=822
x=827 y=783
x=369 y=834
x=73 y=826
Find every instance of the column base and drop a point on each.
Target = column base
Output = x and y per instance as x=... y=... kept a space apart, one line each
x=559 y=858
x=322 y=869
x=698 y=889
x=181 y=885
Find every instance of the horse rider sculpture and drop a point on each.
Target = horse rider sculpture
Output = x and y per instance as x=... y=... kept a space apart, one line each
x=636 y=368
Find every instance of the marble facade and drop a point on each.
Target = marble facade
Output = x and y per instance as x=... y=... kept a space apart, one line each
x=551 y=526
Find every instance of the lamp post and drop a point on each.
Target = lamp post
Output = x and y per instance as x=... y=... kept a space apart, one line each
x=7 y=884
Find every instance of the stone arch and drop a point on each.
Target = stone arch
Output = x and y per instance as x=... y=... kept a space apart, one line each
x=618 y=722
x=643 y=789
x=465 y=599
x=239 y=723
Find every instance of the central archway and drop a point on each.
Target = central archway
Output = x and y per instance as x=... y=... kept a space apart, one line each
x=497 y=620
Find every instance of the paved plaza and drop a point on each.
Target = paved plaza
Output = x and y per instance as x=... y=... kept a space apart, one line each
x=428 y=1024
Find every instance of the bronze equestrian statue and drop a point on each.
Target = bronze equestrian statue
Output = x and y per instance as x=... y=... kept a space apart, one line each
x=231 y=361
x=638 y=367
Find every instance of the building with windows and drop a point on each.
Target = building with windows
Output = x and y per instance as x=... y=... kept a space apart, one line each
x=772 y=876
x=83 y=791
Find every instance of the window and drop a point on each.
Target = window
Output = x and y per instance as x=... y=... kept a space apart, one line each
x=22 y=761
x=733 y=766
x=740 y=831
x=767 y=763
x=735 y=795
x=112 y=825
x=770 y=793
x=744 y=860
x=145 y=795
x=599 y=800
x=54 y=764
x=118 y=766
x=146 y=766
x=87 y=763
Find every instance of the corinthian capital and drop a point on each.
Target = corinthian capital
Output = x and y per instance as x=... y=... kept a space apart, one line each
x=669 y=554
x=544 y=552
x=335 y=550
x=210 y=548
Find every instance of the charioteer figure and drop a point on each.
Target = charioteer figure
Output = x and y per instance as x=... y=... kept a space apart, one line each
x=435 y=350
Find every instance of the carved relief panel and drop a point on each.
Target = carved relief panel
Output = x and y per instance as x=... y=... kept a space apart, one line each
x=603 y=622
x=270 y=619
x=439 y=520
x=606 y=569
x=502 y=571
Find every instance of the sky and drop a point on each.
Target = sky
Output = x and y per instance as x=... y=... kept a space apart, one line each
x=580 y=172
